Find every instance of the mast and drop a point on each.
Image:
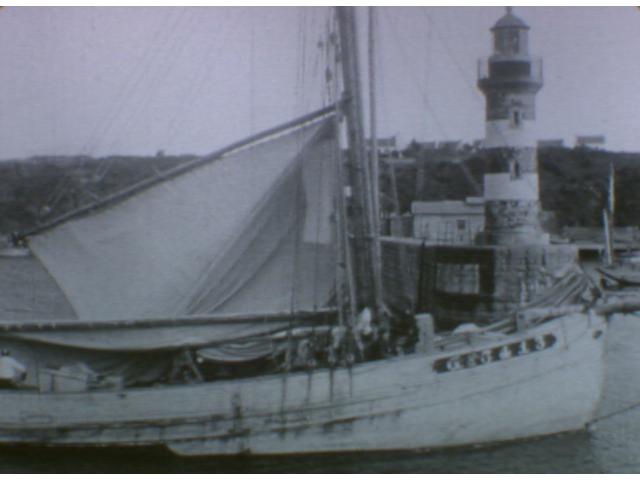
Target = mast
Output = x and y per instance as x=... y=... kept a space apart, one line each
x=607 y=217
x=375 y=175
x=373 y=129
x=365 y=243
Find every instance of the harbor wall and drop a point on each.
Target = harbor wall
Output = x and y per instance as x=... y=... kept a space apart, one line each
x=402 y=269
x=470 y=284
x=482 y=284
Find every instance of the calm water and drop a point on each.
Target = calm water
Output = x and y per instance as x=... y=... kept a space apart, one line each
x=612 y=445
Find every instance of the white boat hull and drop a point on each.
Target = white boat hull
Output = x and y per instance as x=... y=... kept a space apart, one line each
x=407 y=402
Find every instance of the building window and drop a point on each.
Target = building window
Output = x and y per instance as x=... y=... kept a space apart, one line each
x=516 y=118
x=461 y=224
x=514 y=170
x=458 y=278
x=507 y=41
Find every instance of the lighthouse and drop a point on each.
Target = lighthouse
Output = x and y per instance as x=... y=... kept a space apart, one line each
x=510 y=79
x=512 y=263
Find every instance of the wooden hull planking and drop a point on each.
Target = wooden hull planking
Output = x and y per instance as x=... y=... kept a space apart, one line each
x=409 y=402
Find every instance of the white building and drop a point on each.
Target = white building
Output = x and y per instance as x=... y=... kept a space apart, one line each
x=590 y=142
x=448 y=222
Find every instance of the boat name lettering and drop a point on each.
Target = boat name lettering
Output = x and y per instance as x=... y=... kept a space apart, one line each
x=495 y=354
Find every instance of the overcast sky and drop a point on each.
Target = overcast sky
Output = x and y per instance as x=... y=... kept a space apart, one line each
x=119 y=80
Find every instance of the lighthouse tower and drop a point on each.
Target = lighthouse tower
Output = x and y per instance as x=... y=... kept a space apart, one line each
x=512 y=263
x=510 y=80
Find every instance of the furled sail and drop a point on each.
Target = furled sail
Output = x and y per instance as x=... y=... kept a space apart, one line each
x=249 y=232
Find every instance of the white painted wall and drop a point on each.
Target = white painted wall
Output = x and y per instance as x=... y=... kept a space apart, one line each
x=502 y=187
x=502 y=133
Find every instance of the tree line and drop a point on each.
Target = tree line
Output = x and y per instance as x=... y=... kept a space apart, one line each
x=573 y=183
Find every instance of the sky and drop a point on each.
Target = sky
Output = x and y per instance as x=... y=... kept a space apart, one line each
x=135 y=80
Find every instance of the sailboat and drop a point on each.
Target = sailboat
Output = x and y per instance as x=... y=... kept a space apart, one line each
x=235 y=304
x=622 y=272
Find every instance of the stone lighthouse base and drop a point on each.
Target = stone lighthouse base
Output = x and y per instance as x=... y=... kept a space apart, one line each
x=482 y=284
x=513 y=221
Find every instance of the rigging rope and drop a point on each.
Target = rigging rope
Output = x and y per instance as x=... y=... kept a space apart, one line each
x=180 y=34
x=129 y=87
x=201 y=77
x=319 y=54
x=299 y=187
x=472 y=87
x=412 y=75
x=122 y=99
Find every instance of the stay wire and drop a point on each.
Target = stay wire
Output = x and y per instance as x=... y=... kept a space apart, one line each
x=412 y=76
x=130 y=87
x=298 y=179
x=121 y=99
x=174 y=50
x=201 y=78
x=159 y=76
x=472 y=88
x=321 y=182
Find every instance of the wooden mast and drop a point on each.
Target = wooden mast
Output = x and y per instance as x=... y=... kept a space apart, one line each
x=375 y=175
x=373 y=129
x=365 y=243
x=608 y=214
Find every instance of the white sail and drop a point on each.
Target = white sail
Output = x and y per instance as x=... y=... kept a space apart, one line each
x=249 y=232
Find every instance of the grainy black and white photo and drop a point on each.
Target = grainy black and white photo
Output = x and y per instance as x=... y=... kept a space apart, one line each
x=320 y=239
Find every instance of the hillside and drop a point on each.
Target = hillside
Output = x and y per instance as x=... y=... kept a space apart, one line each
x=573 y=183
x=33 y=191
